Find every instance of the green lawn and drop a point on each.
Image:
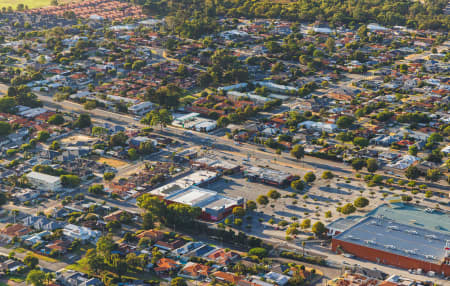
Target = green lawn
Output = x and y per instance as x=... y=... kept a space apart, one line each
x=30 y=3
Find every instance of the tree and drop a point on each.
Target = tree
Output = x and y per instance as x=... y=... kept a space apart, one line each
x=238 y=211
x=36 y=277
x=413 y=150
x=345 y=121
x=55 y=145
x=361 y=141
x=305 y=224
x=7 y=104
x=258 y=251
x=70 y=181
x=152 y=204
x=161 y=117
x=298 y=151
x=412 y=172
x=31 y=261
x=99 y=131
x=428 y=194
x=49 y=277
x=358 y=164
x=178 y=281
x=119 y=265
x=5 y=128
x=274 y=194
x=372 y=165
x=348 y=209
x=42 y=136
x=309 y=177
x=105 y=245
x=108 y=176
x=330 y=44
x=251 y=205
x=327 y=175
x=118 y=139
x=298 y=185
x=83 y=121
x=433 y=175
x=132 y=153
x=96 y=189
x=318 y=228
x=262 y=200
x=361 y=202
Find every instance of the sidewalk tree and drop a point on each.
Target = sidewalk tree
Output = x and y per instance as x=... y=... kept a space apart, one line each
x=31 y=261
x=298 y=151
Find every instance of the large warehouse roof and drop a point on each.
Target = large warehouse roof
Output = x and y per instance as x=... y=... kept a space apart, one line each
x=431 y=219
x=401 y=239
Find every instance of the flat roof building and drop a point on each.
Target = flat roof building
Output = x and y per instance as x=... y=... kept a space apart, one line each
x=405 y=245
x=214 y=206
x=197 y=178
x=268 y=176
x=43 y=181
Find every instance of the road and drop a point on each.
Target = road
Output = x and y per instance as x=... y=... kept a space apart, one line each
x=308 y=163
x=242 y=149
x=47 y=265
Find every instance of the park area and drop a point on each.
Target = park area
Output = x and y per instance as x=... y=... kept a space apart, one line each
x=112 y=162
x=30 y=3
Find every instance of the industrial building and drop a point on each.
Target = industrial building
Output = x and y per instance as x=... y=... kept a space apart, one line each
x=403 y=236
x=214 y=206
x=44 y=182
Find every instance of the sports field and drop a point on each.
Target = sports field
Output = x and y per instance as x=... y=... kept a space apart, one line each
x=30 y=3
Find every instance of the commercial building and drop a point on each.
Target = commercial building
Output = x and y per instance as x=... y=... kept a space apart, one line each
x=214 y=206
x=406 y=245
x=213 y=164
x=44 y=182
x=141 y=108
x=267 y=176
x=198 y=178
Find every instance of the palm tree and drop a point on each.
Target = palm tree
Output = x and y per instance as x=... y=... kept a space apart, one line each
x=303 y=247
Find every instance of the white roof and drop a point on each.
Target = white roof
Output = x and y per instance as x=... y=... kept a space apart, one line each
x=43 y=177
